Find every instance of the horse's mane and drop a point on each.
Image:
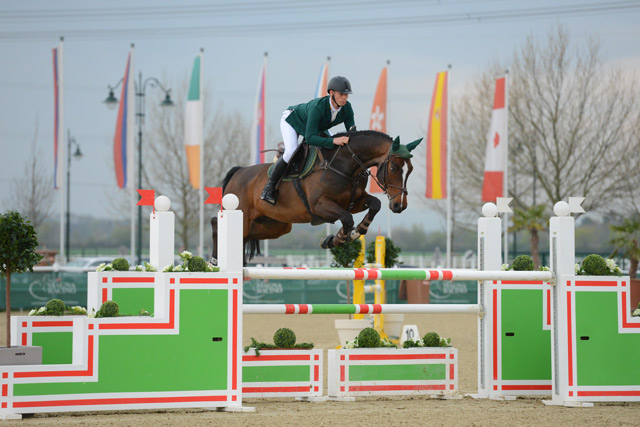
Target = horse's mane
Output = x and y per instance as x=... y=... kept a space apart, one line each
x=365 y=133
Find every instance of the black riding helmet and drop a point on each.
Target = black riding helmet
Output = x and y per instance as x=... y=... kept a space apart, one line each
x=339 y=84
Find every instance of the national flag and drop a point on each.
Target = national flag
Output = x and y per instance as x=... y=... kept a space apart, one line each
x=194 y=123
x=379 y=120
x=321 y=86
x=123 y=141
x=437 y=140
x=496 y=155
x=58 y=123
x=258 y=128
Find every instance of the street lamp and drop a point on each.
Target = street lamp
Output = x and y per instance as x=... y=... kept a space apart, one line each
x=111 y=102
x=77 y=155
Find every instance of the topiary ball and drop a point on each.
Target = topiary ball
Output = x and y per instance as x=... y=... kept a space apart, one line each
x=108 y=309
x=120 y=264
x=55 y=307
x=431 y=339
x=284 y=338
x=197 y=263
x=369 y=338
x=523 y=263
x=595 y=265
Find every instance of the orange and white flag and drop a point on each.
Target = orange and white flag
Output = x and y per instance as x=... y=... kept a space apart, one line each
x=437 y=140
x=379 y=120
x=495 y=161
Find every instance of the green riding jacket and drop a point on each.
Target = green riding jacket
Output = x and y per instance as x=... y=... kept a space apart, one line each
x=315 y=116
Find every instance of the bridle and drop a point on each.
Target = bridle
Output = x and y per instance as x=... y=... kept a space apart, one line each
x=365 y=173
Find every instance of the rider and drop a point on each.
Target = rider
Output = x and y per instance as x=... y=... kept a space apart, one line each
x=309 y=120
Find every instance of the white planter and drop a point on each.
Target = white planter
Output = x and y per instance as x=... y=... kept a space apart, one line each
x=393 y=325
x=348 y=329
x=391 y=371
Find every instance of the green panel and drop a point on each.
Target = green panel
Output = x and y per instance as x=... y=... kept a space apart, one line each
x=149 y=363
x=132 y=300
x=397 y=372
x=57 y=347
x=526 y=355
x=258 y=374
x=607 y=357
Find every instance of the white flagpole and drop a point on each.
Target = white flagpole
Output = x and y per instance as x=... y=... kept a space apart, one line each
x=130 y=153
x=449 y=189
x=386 y=108
x=505 y=180
x=327 y=225
x=264 y=114
x=61 y=150
x=201 y=142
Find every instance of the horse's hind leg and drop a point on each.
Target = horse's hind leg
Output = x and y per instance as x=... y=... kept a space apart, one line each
x=214 y=236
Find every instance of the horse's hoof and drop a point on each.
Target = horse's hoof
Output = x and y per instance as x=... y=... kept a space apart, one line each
x=213 y=261
x=327 y=242
x=353 y=235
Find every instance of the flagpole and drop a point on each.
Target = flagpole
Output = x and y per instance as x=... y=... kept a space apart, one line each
x=319 y=95
x=201 y=177
x=449 y=189
x=505 y=181
x=60 y=153
x=264 y=130
x=130 y=151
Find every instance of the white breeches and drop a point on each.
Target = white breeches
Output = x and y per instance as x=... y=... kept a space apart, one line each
x=289 y=137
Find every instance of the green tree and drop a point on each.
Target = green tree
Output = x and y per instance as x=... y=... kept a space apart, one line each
x=391 y=253
x=18 y=243
x=533 y=219
x=626 y=238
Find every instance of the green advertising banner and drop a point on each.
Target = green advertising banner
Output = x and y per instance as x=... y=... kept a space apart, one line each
x=32 y=290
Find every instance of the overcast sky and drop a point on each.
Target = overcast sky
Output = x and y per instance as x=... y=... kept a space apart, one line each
x=420 y=38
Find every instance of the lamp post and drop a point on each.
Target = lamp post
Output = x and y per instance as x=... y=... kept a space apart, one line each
x=111 y=102
x=71 y=141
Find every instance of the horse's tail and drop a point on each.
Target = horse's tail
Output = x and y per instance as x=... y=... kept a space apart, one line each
x=227 y=177
x=251 y=249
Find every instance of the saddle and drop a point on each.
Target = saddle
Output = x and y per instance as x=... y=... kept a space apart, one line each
x=301 y=162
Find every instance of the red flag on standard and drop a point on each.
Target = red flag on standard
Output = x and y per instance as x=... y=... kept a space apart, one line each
x=495 y=161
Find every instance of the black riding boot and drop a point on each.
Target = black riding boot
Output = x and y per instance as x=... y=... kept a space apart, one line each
x=270 y=194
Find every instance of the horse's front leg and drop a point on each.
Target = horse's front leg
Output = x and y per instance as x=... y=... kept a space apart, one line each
x=214 y=237
x=365 y=202
x=331 y=211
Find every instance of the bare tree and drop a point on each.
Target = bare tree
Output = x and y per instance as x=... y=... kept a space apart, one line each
x=32 y=193
x=573 y=128
x=226 y=144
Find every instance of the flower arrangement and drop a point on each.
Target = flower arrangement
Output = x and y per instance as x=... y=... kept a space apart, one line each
x=283 y=338
x=369 y=338
x=191 y=263
x=56 y=307
x=596 y=265
x=430 y=339
x=636 y=312
x=118 y=264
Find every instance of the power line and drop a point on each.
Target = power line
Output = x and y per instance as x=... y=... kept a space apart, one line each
x=345 y=24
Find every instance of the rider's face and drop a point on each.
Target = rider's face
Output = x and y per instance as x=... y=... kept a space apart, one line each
x=339 y=98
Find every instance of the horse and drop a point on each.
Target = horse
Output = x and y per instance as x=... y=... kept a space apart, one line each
x=332 y=191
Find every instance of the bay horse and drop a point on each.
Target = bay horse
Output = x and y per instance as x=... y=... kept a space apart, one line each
x=334 y=190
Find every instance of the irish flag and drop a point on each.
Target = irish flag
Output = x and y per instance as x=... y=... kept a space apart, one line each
x=379 y=120
x=194 y=123
x=437 y=141
x=496 y=155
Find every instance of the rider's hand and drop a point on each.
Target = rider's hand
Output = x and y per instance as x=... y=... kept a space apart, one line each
x=341 y=140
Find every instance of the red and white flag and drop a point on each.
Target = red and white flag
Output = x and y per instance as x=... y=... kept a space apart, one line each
x=495 y=163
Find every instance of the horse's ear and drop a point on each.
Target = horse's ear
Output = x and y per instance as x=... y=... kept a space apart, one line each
x=414 y=144
x=396 y=144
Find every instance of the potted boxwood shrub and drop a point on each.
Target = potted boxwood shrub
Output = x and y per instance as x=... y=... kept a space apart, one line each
x=18 y=243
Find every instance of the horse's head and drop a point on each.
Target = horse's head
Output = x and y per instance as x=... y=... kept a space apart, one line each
x=391 y=173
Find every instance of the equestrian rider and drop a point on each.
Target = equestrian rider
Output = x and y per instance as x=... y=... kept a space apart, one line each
x=309 y=120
